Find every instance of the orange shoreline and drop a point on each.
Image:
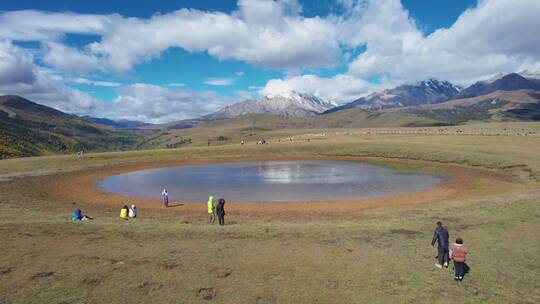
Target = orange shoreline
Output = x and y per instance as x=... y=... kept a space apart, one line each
x=462 y=182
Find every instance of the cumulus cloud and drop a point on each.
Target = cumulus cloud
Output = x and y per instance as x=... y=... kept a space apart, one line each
x=340 y=88
x=69 y=59
x=157 y=104
x=16 y=66
x=264 y=33
x=19 y=76
x=96 y=83
x=31 y=25
x=260 y=33
x=220 y=81
x=496 y=36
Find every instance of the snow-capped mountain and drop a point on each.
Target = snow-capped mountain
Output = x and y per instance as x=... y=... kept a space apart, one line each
x=424 y=92
x=530 y=74
x=290 y=104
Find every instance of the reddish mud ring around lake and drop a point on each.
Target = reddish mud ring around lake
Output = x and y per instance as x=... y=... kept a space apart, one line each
x=462 y=182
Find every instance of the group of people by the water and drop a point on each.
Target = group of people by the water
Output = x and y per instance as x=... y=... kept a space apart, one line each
x=128 y=212
x=216 y=210
x=457 y=252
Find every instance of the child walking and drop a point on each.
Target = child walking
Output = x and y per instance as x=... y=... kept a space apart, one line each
x=458 y=253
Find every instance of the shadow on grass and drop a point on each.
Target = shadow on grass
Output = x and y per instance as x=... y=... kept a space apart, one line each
x=175 y=205
x=466 y=269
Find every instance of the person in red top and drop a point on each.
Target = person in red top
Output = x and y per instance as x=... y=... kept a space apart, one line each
x=458 y=252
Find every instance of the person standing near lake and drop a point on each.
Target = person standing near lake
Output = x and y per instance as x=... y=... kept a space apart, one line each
x=211 y=210
x=165 y=196
x=441 y=237
x=220 y=210
x=458 y=252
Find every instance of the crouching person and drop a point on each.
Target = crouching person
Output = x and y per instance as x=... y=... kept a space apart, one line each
x=132 y=212
x=124 y=212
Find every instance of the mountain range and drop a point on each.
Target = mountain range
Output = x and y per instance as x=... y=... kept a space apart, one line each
x=117 y=124
x=28 y=128
x=424 y=92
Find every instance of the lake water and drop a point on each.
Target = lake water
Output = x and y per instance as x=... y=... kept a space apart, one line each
x=270 y=181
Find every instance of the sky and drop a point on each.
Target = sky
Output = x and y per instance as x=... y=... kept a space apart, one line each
x=165 y=60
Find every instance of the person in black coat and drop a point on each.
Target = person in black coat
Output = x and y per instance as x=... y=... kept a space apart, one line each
x=220 y=210
x=441 y=237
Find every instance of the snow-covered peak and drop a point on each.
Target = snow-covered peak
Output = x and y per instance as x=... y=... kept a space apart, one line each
x=530 y=74
x=437 y=85
x=294 y=98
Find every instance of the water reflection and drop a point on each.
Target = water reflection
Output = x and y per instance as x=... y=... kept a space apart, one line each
x=270 y=181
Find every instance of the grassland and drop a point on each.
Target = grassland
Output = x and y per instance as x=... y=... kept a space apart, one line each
x=379 y=254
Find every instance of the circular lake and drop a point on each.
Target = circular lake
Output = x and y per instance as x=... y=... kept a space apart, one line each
x=270 y=181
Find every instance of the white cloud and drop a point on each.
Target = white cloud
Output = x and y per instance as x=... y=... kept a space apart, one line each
x=157 y=104
x=69 y=59
x=15 y=65
x=496 y=36
x=260 y=33
x=220 y=81
x=265 y=33
x=19 y=76
x=31 y=25
x=96 y=83
x=340 y=88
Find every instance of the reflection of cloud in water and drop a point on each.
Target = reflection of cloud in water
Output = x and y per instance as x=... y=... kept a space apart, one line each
x=288 y=173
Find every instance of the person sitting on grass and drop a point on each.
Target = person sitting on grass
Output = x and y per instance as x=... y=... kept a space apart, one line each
x=220 y=210
x=77 y=215
x=458 y=253
x=124 y=212
x=132 y=212
x=441 y=237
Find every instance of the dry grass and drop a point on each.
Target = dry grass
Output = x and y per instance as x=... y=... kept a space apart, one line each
x=379 y=255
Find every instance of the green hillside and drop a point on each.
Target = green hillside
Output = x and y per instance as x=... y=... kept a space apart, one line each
x=30 y=129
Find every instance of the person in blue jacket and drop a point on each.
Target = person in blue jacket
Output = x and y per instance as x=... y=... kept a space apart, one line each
x=77 y=215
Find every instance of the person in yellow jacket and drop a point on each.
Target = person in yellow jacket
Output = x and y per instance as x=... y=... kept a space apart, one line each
x=124 y=212
x=211 y=210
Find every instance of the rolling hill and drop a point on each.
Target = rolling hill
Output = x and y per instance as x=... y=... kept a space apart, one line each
x=252 y=126
x=30 y=129
x=519 y=105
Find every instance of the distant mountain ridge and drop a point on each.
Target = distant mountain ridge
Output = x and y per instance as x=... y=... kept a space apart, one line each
x=434 y=91
x=117 y=124
x=287 y=104
x=509 y=82
x=424 y=92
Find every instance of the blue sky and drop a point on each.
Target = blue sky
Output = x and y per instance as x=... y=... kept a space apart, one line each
x=103 y=55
